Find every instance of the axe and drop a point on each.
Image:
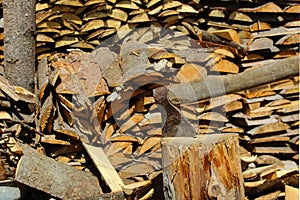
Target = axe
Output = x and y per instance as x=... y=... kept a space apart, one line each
x=212 y=86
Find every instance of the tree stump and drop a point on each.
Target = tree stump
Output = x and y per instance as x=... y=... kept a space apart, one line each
x=204 y=167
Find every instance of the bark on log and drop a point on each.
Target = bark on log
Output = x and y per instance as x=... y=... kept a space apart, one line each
x=60 y=180
x=213 y=86
x=19 y=42
x=205 y=167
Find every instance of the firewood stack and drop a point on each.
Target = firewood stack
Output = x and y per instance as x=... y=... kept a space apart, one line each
x=105 y=97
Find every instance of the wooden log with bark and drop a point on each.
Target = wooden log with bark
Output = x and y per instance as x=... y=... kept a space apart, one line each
x=19 y=44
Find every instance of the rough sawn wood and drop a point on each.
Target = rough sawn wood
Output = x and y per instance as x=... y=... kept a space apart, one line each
x=205 y=167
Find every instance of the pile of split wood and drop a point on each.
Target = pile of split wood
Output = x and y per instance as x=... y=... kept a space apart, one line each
x=95 y=111
x=83 y=24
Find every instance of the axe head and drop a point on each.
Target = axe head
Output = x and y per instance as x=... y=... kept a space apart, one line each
x=175 y=124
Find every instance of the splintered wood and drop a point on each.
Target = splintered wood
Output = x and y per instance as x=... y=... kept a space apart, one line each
x=94 y=95
x=204 y=167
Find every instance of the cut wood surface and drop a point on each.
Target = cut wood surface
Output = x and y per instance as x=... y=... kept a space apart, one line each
x=105 y=168
x=208 y=164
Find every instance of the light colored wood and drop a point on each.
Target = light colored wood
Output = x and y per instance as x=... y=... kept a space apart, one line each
x=260 y=26
x=268 y=7
x=148 y=144
x=207 y=162
x=268 y=128
x=191 y=73
x=217 y=13
x=261 y=43
x=134 y=120
x=107 y=171
x=269 y=139
x=261 y=171
x=228 y=34
x=294 y=8
x=118 y=14
x=291 y=193
x=240 y=16
x=289 y=39
x=270 y=196
x=225 y=66
x=213 y=116
x=274 y=150
x=133 y=188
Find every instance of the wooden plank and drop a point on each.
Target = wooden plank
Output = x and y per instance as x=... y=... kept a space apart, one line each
x=107 y=171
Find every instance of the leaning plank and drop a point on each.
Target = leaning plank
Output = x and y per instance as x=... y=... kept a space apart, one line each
x=57 y=179
x=212 y=86
x=108 y=172
x=204 y=167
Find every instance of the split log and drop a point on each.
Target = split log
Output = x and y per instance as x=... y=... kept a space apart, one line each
x=205 y=167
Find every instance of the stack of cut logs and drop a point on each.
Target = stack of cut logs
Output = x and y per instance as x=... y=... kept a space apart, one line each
x=63 y=25
x=105 y=97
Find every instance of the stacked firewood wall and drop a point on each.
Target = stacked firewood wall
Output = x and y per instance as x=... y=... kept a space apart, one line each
x=266 y=117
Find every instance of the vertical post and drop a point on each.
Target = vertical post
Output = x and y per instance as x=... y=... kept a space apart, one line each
x=204 y=167
x=19 y=42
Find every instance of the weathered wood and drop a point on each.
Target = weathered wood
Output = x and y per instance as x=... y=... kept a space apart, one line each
x=19 y=36
x=57 y=179
x=212 y=86
x=205 y=167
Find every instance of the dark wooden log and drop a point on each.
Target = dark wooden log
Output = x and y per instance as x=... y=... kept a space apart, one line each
x=19 y=42
x=205 y=167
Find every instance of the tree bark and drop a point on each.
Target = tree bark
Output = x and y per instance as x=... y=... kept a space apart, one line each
x=213 y=86
x=19 y=42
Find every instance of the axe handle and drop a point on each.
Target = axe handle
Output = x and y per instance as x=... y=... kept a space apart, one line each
x=212 y=86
